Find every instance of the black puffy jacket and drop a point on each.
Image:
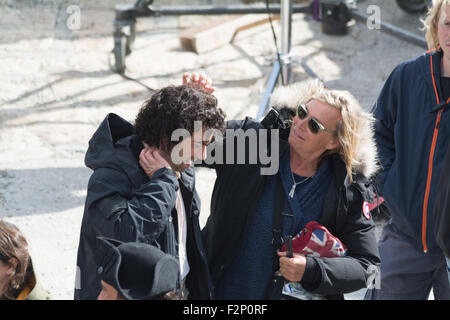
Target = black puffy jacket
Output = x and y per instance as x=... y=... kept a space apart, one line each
x=236 y=192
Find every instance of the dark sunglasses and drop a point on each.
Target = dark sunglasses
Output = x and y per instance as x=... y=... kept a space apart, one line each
x=314 y=125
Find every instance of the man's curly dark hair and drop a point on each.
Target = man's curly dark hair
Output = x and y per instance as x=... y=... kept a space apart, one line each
x=176 y=107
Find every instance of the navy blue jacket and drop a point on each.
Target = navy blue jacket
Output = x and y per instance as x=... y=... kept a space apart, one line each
x=412 y=132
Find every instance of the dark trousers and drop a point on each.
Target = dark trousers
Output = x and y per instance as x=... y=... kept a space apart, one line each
x=406 y=272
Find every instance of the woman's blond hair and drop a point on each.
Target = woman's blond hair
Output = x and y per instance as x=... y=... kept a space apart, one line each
x=431 y=21
x=354 y=132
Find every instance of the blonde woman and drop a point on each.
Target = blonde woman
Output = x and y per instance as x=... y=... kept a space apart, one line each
x=412 y=133
x=325 y=157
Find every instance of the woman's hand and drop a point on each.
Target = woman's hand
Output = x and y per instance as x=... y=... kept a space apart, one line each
x=151 y=161
x=292 y=269
x=199 y=80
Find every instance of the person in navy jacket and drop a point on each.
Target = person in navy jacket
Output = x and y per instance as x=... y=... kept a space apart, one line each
x=412 y=132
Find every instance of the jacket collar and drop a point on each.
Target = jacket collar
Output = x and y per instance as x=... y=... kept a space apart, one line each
x=433 y=76
x=188 y=178
x=136 y=146
x=125 y=154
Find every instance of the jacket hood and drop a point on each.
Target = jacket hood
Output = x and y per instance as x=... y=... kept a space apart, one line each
x=110 y=147
x=366 y=154
x=102 y=150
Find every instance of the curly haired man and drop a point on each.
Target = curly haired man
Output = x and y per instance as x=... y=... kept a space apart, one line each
x=137 y=193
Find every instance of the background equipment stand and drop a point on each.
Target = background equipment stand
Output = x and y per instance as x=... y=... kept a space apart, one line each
x=283 y=65
x=334 y=15
x=124 y=32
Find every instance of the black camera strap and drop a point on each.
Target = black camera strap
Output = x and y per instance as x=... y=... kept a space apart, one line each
x=277 y=223
x=275 y=288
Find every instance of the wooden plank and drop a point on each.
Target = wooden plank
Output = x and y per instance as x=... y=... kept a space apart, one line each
x=207 y=38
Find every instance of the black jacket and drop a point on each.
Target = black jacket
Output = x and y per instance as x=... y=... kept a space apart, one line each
x=123 y=204
x=234 y=199
x=442 y=208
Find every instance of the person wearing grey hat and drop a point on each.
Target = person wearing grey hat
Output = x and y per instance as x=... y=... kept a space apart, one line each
x=134 y=271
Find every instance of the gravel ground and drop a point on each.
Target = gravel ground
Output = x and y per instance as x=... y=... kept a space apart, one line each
x=57 y=86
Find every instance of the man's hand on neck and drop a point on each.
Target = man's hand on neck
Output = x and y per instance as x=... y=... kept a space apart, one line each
x=151 y=160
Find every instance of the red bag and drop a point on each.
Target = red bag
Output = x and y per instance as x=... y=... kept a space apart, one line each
x=315 y=240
